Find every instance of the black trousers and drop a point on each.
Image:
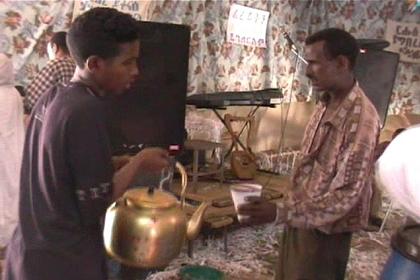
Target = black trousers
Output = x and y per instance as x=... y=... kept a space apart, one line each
x=309 y=254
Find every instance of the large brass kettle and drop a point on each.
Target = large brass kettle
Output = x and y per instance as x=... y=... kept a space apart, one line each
x=146 y=228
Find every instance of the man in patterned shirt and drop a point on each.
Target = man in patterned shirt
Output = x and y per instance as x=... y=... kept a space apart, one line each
x=59 y=70
x=331 y=191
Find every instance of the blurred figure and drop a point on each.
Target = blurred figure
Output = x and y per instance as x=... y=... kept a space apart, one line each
x=59 y=70
x=375 y=221
x=11 y=145
x=397 y=172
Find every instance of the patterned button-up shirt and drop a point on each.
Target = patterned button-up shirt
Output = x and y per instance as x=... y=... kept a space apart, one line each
x=331 y=184
x=57 y=71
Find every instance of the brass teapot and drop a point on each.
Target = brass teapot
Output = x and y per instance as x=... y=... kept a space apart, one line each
x=146 y=227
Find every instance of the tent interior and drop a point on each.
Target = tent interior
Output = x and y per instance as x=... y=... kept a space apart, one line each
x=200 y=59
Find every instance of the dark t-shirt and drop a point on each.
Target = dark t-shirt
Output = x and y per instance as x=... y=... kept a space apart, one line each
x=65 y=188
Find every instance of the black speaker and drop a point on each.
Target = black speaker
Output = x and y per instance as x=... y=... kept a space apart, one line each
x=152 y=112
x=373 y=44
x=376 y=71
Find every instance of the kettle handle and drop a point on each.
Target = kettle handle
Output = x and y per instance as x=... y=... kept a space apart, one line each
x=184 y=179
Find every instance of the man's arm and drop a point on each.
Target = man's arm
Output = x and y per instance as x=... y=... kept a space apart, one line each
x=96 y=182
x=147 y=160
x=301 y=210
x=354 y=166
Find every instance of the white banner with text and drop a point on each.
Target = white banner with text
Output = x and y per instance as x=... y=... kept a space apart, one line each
x=247 y=26
x=404 y=38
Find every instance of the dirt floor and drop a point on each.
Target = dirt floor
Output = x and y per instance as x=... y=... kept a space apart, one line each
x=252 y=251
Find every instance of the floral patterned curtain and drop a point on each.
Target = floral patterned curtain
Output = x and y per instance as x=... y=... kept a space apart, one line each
x=25 y=29
x=215 y=65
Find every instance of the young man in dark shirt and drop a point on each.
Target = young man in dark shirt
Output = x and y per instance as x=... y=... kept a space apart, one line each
x=68 y=179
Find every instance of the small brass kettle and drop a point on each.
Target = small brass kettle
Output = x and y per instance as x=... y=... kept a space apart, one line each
x=146 y=228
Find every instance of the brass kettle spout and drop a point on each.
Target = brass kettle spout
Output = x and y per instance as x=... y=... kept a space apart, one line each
x=194 y=224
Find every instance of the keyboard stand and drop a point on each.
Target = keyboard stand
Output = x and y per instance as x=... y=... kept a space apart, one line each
x=250 y=114
x=220 y=100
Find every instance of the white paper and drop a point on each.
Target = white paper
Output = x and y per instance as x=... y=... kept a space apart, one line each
x=247 y=26
x=404 y=38
x=134 y=8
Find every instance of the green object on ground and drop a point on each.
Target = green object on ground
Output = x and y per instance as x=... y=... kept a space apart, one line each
x=200 y=272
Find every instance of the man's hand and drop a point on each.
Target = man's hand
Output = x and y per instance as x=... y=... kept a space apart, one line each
x=119 y=161
x=152 y=159
x=259 y=210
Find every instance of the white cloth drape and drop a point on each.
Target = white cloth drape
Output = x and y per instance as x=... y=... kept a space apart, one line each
x=11 y=144
x=398 y=171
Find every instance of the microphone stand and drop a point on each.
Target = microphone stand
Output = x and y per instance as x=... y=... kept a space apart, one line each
x=294 y=49
x=299 y=56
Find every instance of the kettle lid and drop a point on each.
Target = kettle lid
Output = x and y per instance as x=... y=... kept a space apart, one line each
x=142 y=198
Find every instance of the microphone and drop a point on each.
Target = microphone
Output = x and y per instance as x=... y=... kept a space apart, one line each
x=293 y=47
x=289 y=41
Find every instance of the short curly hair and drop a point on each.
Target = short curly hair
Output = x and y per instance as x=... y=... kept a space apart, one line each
x=337 y=42
x=100 y=31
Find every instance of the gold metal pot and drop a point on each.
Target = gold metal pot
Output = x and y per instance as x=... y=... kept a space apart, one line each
x=147 y=229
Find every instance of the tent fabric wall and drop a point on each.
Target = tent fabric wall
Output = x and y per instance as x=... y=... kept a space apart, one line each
x=216 y=65
x=25 y=29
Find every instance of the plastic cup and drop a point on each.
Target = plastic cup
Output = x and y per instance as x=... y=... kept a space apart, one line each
x=241 y=191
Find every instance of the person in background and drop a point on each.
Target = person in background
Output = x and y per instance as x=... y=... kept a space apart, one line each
x=68 y=178
x=59 y=70
x=375 y=221
x=11 y=145
x=330 y=193
x=397 y=173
